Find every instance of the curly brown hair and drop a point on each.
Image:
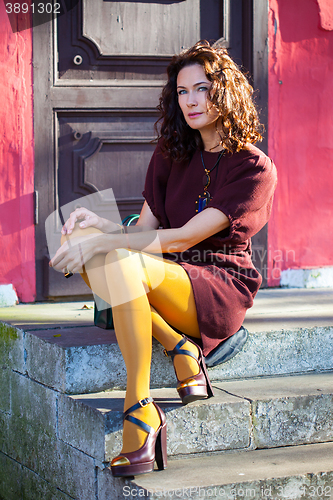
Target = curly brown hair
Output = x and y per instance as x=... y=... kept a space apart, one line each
x=231 y=94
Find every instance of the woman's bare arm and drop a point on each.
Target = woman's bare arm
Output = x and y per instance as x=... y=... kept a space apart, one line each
x=208 y=222
x=148 y=239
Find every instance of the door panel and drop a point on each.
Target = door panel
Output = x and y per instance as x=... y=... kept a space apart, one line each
x=98 y=151
x=98 y=73
x=104 y=41
x=171 y=24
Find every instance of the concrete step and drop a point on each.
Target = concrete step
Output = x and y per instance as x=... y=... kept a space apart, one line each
x=56 y=344
x=85 y=359
x=291 y=473
x=57 y=446
x=244 y=414
x=271 y=435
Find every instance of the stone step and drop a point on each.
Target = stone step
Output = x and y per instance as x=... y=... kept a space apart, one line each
x=87 y=359
x=246 y=414
x=291 y=473
x=57 y=446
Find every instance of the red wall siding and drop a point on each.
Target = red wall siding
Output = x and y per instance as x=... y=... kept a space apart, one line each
x=17 y=249
x=301 y=134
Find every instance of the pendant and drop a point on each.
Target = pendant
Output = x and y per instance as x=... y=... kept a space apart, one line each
x=206 y=180
x=202 y=201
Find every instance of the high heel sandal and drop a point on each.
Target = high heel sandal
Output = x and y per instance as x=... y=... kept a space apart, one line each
x=197 y=386
x=154 y=448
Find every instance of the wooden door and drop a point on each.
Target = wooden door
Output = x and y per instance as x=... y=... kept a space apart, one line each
x=98 y=73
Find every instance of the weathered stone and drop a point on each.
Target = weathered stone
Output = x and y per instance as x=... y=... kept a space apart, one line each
x=33 y=404
x=5 y=373
x=220 y=423
x=81 y=426
x=75 y=369
x=29 y=445
x=280 y=353
x=110 y=487
x=294 y=472
x=41 y=315
x=288 y=410
x=4 y=432
x=61 y=465
x=75 y=472
x=290 y=421
x=12 y=348
x=30 y=425
x=46 y=363
x=36 y=488
x=92 y=368
x=10 y=478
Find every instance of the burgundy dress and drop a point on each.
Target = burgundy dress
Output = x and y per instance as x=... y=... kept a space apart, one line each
x=223 y=277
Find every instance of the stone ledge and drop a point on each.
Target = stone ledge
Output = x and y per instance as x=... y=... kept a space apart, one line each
x=218 y=423
x=260 y=413
x=86 y=359
x=297 y=472
x=288 y=410
x=58 y=441
x=25 y=484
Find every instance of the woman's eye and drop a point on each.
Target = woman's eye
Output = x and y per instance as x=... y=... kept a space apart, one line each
x=181 y=92
x=202 y=89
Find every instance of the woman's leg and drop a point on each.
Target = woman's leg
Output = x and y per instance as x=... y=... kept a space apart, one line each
x=128 y=284
x=185 y=366
x=131 y=289
x=94 y=270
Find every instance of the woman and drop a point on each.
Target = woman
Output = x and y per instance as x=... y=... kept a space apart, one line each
x=210 y=190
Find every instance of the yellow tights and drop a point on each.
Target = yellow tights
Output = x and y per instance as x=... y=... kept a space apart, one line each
x=148 y=300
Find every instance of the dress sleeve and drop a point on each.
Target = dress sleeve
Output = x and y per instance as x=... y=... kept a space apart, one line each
x=246 y=196
x=156 y=182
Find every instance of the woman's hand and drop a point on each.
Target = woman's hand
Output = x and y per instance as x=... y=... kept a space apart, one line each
x=74 y=254
x=88 y=219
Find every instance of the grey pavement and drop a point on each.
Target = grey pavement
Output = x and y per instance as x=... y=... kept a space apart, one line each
x=274 y=309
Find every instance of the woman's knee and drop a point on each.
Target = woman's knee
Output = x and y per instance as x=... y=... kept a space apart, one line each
x=117 y=255
x=79 y=232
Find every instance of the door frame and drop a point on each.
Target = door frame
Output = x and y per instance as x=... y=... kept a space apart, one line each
x=50 y=97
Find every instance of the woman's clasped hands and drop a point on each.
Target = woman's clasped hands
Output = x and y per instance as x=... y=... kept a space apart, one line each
x=73 y=254
x=84 y=227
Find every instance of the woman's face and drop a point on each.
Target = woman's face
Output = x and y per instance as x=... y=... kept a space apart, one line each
x=192 y=89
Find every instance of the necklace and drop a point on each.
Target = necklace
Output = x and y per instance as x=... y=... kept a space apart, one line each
x=205 y=197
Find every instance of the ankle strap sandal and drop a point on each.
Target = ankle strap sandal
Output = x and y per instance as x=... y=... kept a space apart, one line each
x=195 y=387
x=154 y=448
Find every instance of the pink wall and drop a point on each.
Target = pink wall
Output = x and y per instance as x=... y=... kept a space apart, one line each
x=300 y=142
x=301 y=134
x=17 y=249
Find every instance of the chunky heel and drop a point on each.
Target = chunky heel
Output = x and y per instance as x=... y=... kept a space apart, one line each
x=161 y=449
x=195 y=387
x=205 y=372
x=154 y=448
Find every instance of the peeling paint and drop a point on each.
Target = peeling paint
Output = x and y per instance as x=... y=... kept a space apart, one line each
x=325 y=14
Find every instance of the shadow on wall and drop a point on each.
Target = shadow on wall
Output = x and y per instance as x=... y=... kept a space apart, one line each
x=296 y=28
x=10 y=214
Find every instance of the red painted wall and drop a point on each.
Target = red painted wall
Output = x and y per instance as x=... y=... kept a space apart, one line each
x=17 y=249
x=301 y=134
